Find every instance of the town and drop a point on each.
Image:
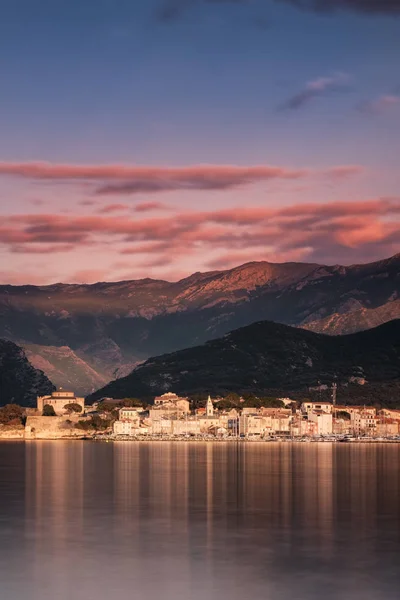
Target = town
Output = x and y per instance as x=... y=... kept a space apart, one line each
x=173 y=417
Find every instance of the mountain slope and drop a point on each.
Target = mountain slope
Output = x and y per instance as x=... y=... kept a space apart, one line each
x=65 y=368
x=356 y=319
x=116 y=325
x=20 y=382
x=265 y=356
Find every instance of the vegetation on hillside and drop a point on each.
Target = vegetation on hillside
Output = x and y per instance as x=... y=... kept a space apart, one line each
x=268 y=360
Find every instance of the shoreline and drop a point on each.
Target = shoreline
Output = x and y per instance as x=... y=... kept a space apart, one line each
x=176 y=439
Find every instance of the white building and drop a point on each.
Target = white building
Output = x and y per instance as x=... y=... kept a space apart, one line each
x=209 y=408
x=326 y=407
x=323 y=420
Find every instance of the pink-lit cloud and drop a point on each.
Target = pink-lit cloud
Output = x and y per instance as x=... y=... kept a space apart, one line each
x=125 y=179
x=315 y=88
x=331 y=232
x=380 y=105
x=150 y=206
x=110 y=208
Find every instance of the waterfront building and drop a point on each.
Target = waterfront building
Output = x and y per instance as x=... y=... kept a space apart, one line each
x=341 y=426
x=323 y=420
x=390 y=413
x=302 y=427
x=363 y=423
x=59 y=400
x=130 y=415
x=251 y=425
x=387 y=427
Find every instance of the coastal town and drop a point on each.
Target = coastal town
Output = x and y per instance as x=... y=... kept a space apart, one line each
x=171 y=417
x=63 y=415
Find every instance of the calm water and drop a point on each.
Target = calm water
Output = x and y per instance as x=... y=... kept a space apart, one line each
x=83 y=520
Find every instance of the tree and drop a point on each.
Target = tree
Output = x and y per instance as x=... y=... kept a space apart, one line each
x=73 y=407
x=48 y=411
x=272 y=403
x=342 y=414
x=132 y=402
x=10 y=413
x=105 y=406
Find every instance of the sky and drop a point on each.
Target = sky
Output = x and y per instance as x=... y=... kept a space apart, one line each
x=161 y=138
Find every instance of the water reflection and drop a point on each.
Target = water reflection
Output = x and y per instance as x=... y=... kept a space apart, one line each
x=195 y=521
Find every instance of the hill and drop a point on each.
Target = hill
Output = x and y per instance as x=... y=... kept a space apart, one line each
x=111 y=327
x=65 y=368
x=20 y=382
x=265 y=357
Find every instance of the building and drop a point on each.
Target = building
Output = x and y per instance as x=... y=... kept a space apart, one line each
x=209 y=408
x=58 y=400
x=363 y=423
x=170 y=399
x=390 y=413
x=318 y=406
x=169 y=405
x=128 y=413
x=302 y=427
x=125 y=428
x=323 y=421
x=371 y=410
x=387 y=427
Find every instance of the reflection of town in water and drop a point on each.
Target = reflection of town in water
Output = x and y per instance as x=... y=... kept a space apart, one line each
x=170 y=518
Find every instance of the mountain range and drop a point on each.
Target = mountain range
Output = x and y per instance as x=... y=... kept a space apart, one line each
x=20 y=382
x=85 y=335
x=265 y=358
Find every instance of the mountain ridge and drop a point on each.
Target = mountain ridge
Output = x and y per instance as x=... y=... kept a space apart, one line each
x=113 y=326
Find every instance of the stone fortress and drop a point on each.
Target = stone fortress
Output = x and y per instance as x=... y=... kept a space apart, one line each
x=58 y=400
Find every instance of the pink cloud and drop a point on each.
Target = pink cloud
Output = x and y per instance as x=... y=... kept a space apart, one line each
x=149 y=206
x=317 y=87
x=336 y=231
x=109 y=208
x=125 y=179
x=41 y=248
x=380 y=105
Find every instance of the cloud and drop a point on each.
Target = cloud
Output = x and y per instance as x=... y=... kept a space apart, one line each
x=127 y=180
x=171 y=10
x=380 y=105
x=313 y=89
x=330 y=232
x=390 y=7
x=149 y=206
x=344 y=171
x=41 y=248
x=110 y=208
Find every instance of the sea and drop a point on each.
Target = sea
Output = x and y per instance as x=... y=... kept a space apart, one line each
x=84 y=520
